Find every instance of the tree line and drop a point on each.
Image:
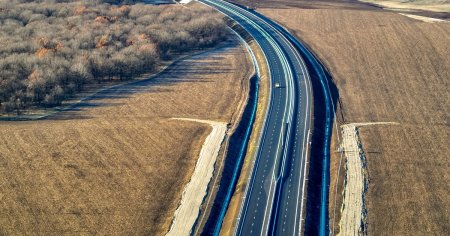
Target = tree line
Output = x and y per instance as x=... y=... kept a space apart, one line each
x=50 y=49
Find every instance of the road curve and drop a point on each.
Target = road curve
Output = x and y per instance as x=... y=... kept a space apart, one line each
x=273 y=202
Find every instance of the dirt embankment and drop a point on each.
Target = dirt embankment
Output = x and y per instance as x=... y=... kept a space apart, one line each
x=196 y=190
x=117 y=164
x=392 y=68
x=352 y=207
x=353 y=210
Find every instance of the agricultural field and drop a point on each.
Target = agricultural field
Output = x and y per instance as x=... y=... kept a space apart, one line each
x=116 y=164
x=388 y=68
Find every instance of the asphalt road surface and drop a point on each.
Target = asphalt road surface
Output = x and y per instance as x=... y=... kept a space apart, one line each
x=274 y=201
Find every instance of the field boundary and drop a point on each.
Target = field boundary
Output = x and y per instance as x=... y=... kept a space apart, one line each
x=74 y=103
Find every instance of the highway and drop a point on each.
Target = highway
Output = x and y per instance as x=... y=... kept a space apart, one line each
x=274 y=201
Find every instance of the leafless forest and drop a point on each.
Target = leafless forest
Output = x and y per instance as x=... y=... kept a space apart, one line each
x=50 y=49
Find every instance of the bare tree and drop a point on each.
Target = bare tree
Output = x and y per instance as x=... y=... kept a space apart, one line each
x=51 y=48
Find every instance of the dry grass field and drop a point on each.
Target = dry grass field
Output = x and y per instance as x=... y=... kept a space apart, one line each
x=117 y=165
x=387 y=67
x=428 y=5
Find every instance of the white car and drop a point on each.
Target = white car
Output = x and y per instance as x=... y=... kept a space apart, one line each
x=277 y=85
